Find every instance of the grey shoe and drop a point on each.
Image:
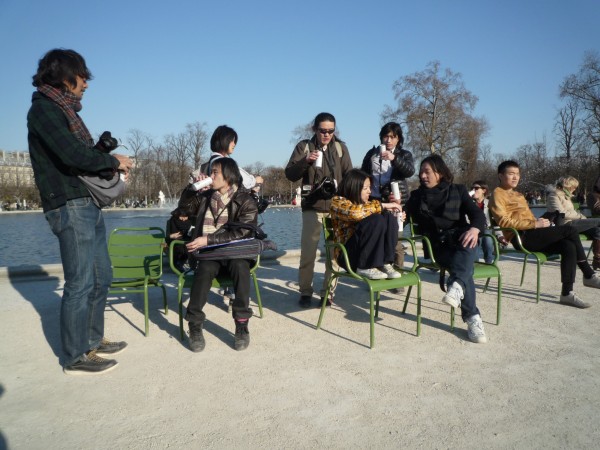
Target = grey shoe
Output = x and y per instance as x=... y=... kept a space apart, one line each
x=475 y=329
x=454 y=295
x=593 y=281
x=391 y=273
x=573 y=300
x=110 y=348
x=90 y=364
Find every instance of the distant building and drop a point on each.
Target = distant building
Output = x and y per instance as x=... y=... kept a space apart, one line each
x=15 y=169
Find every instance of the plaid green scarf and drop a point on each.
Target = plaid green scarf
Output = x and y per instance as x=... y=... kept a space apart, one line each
x=71 y=105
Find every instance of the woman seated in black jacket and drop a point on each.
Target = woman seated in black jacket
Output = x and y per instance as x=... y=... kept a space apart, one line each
x=224 y=202
x=440 y=208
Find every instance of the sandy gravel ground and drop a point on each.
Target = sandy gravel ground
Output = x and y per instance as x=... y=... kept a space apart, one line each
x=536 y=384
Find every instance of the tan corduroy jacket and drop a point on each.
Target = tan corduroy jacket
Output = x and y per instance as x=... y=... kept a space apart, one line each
x=510 y=209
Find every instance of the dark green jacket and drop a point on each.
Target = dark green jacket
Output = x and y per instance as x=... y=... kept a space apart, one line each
x=57 y=155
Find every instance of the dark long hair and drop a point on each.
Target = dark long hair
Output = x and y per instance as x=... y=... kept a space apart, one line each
x=352 y=184
x=439 y=166
x=60 y=66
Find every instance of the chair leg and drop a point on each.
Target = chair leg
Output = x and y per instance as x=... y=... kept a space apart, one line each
x=372 y=317
x=180 y=305
x=323 y=305
x=499 y=303
x=537 y=294
x=523 y=271
x=164 y=291
x=258 y=299
x=486 y=285
x=406 y=300
x=418 y=307
x=146 y=320
x=377 y=298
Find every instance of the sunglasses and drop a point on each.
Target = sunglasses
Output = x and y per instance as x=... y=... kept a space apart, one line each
x=476 y=187
x=324 y=131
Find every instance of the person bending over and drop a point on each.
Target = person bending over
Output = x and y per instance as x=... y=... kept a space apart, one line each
x=509 y=209
x=441 y=209
x=365 y=227
x=224 y=202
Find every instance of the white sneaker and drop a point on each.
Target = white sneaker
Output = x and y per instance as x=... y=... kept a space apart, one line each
x=475 y=329
x=573 y=300
x=389 y=270
x=372 y=274
x=454 y=295
x=593 y=281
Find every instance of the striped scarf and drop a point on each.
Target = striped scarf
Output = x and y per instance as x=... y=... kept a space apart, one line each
x=216 y=215
x=71 y=105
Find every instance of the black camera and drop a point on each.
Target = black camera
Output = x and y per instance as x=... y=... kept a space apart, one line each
x=323 y=190
x=261 y=202
x=106 y=143
x=385 y=191
x=557 y=218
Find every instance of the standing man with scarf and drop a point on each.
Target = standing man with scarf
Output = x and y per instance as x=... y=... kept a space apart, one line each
x=61 y=148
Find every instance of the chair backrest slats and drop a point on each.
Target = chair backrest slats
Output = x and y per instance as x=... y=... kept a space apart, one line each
x=136 y=252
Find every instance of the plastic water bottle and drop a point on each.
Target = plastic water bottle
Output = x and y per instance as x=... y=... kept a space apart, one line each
x=396 y=192
x=319 y=161
x=202 y=183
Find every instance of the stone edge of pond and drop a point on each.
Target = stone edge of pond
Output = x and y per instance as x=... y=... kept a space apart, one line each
x=49 y=270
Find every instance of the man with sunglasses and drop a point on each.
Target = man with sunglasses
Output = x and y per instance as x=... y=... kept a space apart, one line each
x=314 y=160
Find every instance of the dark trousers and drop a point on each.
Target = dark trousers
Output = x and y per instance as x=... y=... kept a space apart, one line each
x=373 y=243
x=206 y=271
x=459 y=262
x=589 y=227
x=564 y=240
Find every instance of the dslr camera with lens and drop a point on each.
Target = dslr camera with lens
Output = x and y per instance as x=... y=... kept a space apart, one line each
x=322 y=190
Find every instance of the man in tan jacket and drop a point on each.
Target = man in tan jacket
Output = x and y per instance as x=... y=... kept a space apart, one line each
x=509 y=209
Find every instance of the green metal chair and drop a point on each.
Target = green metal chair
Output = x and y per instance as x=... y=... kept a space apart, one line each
x=409 y=278
x=539 y=257
x=480 y=270
x=186 y=279
x=136 y=259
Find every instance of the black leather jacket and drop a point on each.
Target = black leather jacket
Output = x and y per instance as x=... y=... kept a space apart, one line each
x=403 y=167
x=242 y=208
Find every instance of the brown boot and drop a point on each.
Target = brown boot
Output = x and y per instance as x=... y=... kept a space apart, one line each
x=596 y=252
x=399 y=256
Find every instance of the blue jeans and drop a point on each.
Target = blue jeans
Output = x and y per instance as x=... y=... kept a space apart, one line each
x=487 y=247
x=460 y=261
x=81 y=233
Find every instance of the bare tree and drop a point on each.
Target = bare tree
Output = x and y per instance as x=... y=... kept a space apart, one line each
x=197 y=137
x=436 y=109
x=584 y=89
x=302 y=132
x=568 y=129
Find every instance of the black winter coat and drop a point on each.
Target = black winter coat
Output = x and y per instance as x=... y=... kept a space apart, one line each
x=242 y=208
x=403 y=167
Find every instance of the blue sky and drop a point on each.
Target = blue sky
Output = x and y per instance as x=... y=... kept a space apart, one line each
x=266 y=67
